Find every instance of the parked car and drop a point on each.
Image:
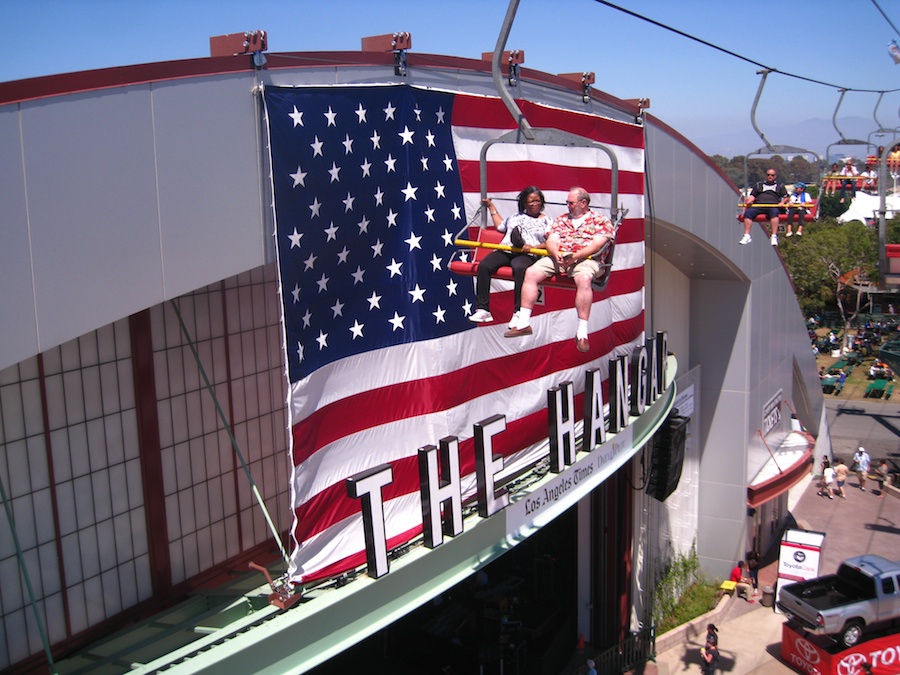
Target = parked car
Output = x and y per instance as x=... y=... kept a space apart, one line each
x=863 y=595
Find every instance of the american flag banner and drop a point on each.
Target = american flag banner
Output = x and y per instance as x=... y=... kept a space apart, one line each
x=371 y=185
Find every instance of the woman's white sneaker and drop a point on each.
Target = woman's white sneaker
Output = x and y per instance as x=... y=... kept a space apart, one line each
x=481 y=316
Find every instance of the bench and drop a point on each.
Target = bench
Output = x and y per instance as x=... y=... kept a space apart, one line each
x=837 y=388
x=888 y=391
x=812 y=213
x=491 y=236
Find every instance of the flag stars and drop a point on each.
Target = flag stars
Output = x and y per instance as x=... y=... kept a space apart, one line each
x=300 y=352
x=376 y=249
x=440 y=115
x=361 y=114
x=451 y=288
x=348 y=203
x=390 y=162
x=439 y=189
x=379 y=196
x=409 y=191
x=322 y=283
x=331 y=232
x=358 y=275
x=467 y=308
x=413 y=242
x=374 y=301
x=342 y=256
x=295 y=238
x=307 y=318
x=310 y=262
x=435 y=263
x=338 y=309
x=429 y=137
x=366 y=167
x=439 y=315
x=331 y=116
x=334 y=172
x=357 y=329
x=456 y=211
x=448 y=163
x=389 y=112
x=424 y=161
x=322 y=340
x=296 y=293
x=429 y=214
x=299 y=177
x=391 y=218
x=315 y=207
x=348 y=144
x=418 y=113
x=448 y=238
x=376 y=141
x=406 y=135
x=316 y=146
x=363 y=225
x=418 y=294
x=297 y=116
x=394 y=268
x=397 y=321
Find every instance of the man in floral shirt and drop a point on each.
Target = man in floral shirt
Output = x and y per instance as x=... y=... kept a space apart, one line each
x=571 y=242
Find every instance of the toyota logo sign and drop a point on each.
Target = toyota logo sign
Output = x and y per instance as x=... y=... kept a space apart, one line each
x=807 y=650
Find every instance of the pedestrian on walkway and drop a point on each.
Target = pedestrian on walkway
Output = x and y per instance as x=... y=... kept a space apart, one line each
x=825 y=486
x=840 y=477
x=712 y=634
x=861 y=459
x=882 y=472
x=710 y=656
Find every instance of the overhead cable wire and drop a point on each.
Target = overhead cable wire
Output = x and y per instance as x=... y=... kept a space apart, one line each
x=891 y=23
x=739 y=56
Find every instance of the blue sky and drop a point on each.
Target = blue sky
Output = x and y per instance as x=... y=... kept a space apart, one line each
x=697 y=90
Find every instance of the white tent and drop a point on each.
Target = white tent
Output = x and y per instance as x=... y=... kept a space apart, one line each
x=864 y=208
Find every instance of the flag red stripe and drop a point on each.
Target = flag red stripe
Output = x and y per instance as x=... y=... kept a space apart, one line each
x=513 y=176
x=470 y=111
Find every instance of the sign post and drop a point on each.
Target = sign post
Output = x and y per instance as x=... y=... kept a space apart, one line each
x=798 y=558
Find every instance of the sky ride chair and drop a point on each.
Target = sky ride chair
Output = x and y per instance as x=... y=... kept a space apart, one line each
x=768 y=150
x=481 y=239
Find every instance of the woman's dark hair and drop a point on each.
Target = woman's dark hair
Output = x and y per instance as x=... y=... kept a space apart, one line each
x=526 y=193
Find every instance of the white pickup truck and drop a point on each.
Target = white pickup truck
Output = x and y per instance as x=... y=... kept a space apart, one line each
x=865 y=593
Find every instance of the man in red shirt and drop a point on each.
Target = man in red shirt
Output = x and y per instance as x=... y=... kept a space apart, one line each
x=572 y=242
x=743 y=588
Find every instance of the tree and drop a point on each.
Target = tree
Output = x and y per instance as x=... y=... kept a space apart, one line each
x=833 y=263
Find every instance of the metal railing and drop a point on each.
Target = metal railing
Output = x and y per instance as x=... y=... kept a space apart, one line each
x=639 y=647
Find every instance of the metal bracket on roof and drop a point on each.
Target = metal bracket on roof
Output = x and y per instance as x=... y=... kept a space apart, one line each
x=587 y=78
x=399 y=43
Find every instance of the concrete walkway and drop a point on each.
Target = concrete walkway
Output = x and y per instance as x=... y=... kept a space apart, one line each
x=749 y=634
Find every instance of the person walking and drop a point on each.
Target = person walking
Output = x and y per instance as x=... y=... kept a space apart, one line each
x=862 y=461
x=882 y=472
x=710 y=655
x=840 y=477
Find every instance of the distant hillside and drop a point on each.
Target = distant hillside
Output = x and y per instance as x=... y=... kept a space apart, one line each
x=813 y=134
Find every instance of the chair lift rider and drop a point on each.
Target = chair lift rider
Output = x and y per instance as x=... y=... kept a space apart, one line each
x=765 y=197
x=755 y=202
